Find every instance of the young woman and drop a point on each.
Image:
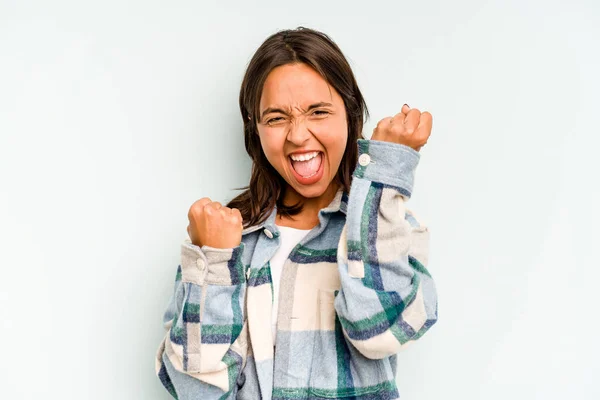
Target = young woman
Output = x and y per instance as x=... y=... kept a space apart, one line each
x=308 y=283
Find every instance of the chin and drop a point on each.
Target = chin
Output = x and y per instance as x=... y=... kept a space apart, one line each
x=312 y=191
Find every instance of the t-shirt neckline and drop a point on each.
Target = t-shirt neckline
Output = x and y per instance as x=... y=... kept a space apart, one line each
x=289 y=227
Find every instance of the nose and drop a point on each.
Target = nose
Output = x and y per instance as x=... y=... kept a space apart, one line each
x=298 y=132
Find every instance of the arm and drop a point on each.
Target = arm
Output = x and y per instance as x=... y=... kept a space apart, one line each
x=387 y=297
x=205 y=345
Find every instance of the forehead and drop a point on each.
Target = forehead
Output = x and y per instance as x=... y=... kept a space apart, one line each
x=296 y=85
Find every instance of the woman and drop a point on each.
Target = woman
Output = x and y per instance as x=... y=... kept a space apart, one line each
x=308 y=283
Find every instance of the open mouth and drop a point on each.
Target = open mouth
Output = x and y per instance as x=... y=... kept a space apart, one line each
x=307 y=168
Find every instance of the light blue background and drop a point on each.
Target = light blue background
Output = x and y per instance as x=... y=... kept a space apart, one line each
x=116 y=116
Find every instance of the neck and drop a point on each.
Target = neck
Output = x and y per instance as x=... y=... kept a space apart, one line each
x=309 y=216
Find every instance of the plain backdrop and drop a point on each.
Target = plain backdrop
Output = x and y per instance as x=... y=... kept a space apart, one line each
x=115 y=116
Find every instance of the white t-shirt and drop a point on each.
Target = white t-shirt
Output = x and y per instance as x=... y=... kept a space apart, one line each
x=289 y=238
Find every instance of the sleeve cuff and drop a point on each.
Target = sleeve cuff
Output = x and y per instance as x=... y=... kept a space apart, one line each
x=388 y=163
x=211 y=265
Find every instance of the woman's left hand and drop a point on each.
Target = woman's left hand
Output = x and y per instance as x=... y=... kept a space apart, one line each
x=409 y=127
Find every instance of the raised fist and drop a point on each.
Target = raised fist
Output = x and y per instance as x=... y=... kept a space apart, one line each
x=409 y=127
x=214 y=225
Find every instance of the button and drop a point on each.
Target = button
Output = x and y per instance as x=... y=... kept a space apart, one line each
x=268 y=233
x=200 y=264
x=364 y=159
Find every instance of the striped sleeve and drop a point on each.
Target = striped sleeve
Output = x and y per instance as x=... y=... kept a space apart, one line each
x=205 y=344
x=387 y=298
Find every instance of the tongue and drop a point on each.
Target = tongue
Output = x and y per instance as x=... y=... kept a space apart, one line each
x=307 y=168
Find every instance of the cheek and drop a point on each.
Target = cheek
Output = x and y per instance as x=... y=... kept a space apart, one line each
x=334 y=136
x=272 y=146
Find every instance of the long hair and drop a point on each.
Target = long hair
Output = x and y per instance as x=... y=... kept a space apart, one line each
x=290 y=46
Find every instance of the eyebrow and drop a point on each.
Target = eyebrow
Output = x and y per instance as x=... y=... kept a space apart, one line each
x=280 y=110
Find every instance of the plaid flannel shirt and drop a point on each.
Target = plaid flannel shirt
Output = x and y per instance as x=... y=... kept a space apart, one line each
x=354 y=292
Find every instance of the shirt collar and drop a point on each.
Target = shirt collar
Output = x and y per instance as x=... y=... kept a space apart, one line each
x=338 y=204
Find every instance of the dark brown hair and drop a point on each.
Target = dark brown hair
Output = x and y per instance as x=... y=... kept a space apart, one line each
x=317 y=50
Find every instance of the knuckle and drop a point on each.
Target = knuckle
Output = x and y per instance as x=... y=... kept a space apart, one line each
x=237 y=215
x=397 y=129
x=198 y=205
x=202 y=201
x=194 y=210
x=383 y=122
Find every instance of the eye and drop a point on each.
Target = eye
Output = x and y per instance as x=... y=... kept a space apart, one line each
x=321 y=112
x=272 y=120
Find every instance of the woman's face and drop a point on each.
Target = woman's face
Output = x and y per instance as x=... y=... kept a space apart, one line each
x=302 y=128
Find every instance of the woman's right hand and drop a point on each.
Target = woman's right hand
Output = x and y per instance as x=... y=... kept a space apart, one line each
x=211 y=224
